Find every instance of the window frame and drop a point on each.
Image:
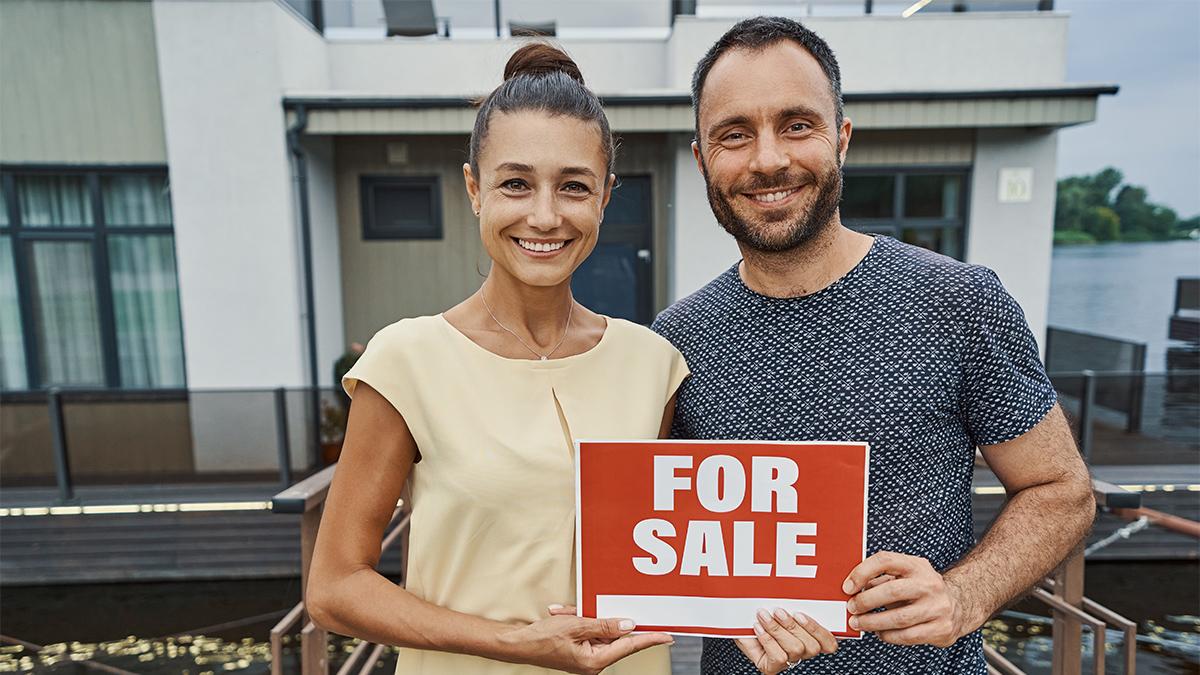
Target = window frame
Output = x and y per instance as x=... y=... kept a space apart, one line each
x=372 y=232
x=96 y=235
x=894 y=226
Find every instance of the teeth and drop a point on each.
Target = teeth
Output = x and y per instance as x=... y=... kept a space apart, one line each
x=540 y=246
x=773 y=196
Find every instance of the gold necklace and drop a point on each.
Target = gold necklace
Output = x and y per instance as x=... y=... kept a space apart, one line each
x=541 y=356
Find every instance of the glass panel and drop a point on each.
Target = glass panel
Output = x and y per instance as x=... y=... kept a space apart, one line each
x=133 y=199
x=868 y=196
x=54 y=200
x=66 y=318
x=146 y=310
x=931 y=196
x=12 y=347
x=3 y=206
x=944 y=240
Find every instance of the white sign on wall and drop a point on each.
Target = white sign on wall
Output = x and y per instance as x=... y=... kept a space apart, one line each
x=1016 y=185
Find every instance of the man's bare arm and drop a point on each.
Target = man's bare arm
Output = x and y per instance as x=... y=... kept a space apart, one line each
x=1049 y=510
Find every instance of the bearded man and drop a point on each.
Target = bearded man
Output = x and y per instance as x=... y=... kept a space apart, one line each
x=823 y=333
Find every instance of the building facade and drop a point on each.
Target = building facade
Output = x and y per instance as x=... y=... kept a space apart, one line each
x=226 y=193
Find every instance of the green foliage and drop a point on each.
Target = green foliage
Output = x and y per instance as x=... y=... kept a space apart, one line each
x=1072 y=237
x=1102 y=223
x=1101 y=208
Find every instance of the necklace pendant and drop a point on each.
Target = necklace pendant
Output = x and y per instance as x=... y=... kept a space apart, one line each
x=543 y=358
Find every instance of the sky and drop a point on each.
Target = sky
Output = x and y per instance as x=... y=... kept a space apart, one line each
x=1151 y=129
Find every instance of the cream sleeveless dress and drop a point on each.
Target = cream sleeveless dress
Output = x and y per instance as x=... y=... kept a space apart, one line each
x=493 y=523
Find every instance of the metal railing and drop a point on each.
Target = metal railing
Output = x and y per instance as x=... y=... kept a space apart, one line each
x=307 y=498
x=63 y=436
x=1119 y=413
x=1062 y=592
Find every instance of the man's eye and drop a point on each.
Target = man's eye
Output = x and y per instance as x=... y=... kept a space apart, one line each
x=798 y=126
x=735 y=136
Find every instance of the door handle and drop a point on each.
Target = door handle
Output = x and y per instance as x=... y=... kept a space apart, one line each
x=644 y=254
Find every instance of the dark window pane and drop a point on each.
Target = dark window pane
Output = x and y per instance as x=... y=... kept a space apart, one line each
x=3 y=207
x=133 y=199
x=931 y=196
x=944 y=240
x=12 y=347
x=146 y=311
x=401 y=208
x=868 y=196
x=48 y=201
x=65 y=313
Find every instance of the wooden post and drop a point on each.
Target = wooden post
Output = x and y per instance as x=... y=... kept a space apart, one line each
x=1067 y=657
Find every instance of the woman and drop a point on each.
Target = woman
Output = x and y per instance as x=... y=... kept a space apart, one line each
x=479 y=406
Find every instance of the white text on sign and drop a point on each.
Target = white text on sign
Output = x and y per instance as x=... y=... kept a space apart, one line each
x=720 y=487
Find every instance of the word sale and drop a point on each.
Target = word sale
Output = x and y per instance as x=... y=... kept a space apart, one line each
x=720 y=486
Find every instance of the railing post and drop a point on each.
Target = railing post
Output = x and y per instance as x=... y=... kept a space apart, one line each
x=1086 y=401
x=282 y=441
x=58 y=431
x=1067 y=658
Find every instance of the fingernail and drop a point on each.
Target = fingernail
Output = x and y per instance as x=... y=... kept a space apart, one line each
x=854 y=622
x=553 y=607
x=758 y=630
x=801 y=617
x=625 y=624
x=847 y=586
x=781 y=614
x=763 y=616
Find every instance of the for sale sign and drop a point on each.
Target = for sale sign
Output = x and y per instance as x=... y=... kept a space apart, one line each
x=694 y=537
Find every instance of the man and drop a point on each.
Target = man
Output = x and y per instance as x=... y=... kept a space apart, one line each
x=822 y=333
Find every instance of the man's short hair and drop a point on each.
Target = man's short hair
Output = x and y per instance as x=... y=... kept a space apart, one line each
x=761 y=32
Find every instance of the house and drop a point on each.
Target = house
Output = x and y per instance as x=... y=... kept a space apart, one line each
x=223 y=194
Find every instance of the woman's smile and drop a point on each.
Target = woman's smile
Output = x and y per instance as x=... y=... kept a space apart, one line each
x=541 y=248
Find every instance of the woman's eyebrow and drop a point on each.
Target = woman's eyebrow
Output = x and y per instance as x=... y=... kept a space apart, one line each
x=577 y=171
x=514 y=166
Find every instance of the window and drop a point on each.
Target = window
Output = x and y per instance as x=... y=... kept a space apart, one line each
x=921 y=207
x=88 y=290
x=401 y=207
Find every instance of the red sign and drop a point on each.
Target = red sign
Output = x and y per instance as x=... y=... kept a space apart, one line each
x=694 y=537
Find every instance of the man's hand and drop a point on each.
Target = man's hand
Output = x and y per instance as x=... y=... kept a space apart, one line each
x=922 y=606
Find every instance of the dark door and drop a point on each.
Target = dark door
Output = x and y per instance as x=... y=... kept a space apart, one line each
x=616 y=279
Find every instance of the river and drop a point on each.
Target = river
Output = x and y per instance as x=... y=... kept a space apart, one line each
x=1122 y=290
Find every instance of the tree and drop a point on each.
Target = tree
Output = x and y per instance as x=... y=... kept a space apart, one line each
x=1102 y=223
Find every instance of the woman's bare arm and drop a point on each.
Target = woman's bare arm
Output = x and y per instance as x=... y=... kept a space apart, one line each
x=346 y=594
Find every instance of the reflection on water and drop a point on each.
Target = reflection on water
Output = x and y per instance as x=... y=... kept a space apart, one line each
x=1123 y=290
x=1170 y=647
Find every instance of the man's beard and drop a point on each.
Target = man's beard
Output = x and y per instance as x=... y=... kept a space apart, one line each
x=805 y=225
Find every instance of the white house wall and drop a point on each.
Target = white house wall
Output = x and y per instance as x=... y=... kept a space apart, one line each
x=928 y=52
x=1015 y=238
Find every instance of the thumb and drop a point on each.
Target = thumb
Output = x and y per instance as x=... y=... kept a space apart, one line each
x=607 y=628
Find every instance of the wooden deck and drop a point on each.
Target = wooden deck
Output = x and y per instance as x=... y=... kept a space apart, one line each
x=172 y=543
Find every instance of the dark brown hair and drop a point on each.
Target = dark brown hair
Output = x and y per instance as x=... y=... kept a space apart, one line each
x=765 y=31
x=541 y=77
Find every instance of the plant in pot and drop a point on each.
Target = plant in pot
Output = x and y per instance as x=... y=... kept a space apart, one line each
x=334 y=414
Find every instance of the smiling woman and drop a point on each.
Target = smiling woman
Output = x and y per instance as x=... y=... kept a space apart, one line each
x=477 y=408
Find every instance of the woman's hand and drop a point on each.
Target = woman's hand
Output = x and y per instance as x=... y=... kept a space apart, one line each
x=783 y=640
x=564 y=641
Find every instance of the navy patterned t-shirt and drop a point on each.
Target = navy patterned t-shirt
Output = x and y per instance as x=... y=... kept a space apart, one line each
x=920 y=355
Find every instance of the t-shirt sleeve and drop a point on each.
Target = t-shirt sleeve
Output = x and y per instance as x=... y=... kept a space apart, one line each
x=1005 y=388
x=679 y=372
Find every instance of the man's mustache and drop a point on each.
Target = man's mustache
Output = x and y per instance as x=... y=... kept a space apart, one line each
x=776 y=182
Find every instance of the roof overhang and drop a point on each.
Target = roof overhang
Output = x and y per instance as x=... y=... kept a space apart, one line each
x=1056 y=107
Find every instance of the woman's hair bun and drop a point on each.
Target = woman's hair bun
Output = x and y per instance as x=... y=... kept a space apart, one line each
x=540 y=58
